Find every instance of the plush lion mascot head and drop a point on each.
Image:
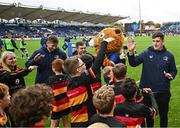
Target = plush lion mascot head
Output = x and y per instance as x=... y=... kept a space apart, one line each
x=113 y=46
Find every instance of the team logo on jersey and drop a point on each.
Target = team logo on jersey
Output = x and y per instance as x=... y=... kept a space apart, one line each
x=126 y=115
x=151 y=56
x=165 y=58
x=56 y=56
x=17 y=81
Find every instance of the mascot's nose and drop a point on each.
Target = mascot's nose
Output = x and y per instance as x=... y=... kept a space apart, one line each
x=91 y=43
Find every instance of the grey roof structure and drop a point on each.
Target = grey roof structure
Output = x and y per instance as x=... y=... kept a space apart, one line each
x=11 y=11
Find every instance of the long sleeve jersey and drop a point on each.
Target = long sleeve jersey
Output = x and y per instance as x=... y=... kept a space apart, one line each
x=154 y=64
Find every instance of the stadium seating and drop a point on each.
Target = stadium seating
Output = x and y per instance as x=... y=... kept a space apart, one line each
x=37 y=30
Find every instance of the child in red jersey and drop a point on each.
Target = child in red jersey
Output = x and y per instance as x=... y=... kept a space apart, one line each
x=79 y=89
x=59 y=84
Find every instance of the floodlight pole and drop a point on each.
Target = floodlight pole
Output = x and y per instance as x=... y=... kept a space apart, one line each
x=140 y=25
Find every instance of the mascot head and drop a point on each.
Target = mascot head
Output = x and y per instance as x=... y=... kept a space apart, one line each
x=113 y=46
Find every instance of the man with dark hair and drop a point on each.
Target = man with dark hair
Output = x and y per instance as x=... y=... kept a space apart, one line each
x=158 y=70
x=43 y=58
x=80 y=48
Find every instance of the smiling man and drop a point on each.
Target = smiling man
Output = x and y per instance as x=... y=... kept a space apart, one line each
x=158 y=70
x=43 y=58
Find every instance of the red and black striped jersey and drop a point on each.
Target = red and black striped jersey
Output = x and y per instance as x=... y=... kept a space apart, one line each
x=80 y=99
x=61 y=104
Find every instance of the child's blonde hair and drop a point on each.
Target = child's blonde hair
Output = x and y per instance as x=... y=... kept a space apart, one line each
x=103 y=100
x=106 y=70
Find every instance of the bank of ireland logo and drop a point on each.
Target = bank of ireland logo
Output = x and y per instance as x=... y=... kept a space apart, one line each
x=17 y=81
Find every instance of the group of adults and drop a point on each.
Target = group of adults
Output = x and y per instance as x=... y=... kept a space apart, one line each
x=158 y=69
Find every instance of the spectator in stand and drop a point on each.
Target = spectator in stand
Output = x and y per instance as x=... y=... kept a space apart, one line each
x=59 y=84
x=23 y=48
x=9 y=43
x=158 y=70
x=31 y=106
x=4 y=103
x=104 y=102
x=11 y=74
x=43 y=58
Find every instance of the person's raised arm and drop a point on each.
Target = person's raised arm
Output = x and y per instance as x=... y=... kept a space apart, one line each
x=100 y=57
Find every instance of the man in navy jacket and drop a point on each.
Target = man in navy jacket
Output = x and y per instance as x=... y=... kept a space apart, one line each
x=43 y=58
x=158 y=70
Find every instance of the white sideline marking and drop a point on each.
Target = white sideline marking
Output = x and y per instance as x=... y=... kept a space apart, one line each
x=139 y=80
x=177 y=66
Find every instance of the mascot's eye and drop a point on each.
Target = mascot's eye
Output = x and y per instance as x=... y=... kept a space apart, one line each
x=117 y=31
x=101 y=35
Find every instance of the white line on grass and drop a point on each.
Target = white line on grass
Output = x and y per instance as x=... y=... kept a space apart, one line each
x=177 y=66
x=139 y=80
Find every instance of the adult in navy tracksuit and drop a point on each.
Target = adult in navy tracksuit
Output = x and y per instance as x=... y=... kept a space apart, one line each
x=158 y=70
x=43 y=58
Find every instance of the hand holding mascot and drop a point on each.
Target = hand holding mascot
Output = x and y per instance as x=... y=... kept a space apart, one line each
x=113 y=48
